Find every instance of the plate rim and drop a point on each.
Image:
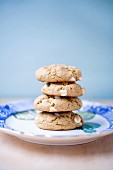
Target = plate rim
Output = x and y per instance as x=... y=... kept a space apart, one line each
x=88 y=135
x=98 y=134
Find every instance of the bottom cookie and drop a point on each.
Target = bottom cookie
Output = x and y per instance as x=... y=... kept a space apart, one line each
x=58 y=121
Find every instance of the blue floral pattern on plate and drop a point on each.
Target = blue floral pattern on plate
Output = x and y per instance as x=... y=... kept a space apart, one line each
x=88 y=107
x=100 y=109
x=14 y=108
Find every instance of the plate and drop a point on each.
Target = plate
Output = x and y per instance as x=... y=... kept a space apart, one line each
x=17 y=119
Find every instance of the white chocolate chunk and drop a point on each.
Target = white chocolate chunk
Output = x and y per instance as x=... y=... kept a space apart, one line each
x=45 y=86
x=39 y=111
x=77 y=119
x=63 y=92
x=83 y=90
x=50 y=99
x=52 y=109
x=72 y=79
x=71 y=67
x=44 y=101
x=57 y=114
x=80 y=78
x=57 y=97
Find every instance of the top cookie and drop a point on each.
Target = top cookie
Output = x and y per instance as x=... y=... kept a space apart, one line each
x=58 y=73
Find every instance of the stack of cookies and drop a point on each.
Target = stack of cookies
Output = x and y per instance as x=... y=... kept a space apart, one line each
x=60 y=97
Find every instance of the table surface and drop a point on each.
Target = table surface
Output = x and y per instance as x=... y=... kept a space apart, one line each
x=16 y=154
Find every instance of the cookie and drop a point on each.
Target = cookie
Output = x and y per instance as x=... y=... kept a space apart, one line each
x=56 y=121
x=63 y=89
x=57 y=104
x=58 y=73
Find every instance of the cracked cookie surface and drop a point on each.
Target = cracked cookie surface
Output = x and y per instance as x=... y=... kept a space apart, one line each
x=63 y=89
x=58 y=73
x=57 y=104
x=58 y=121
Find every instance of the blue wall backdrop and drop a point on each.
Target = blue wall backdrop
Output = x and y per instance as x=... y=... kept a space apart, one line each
x=41 y=32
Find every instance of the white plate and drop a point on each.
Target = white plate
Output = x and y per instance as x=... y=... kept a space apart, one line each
x=98 y=122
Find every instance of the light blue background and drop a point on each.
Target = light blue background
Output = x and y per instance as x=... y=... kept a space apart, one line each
x=41 y=32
